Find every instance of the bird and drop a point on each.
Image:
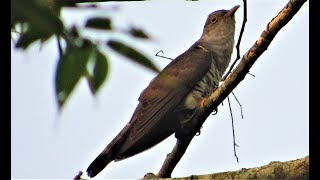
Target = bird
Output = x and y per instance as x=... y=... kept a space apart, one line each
x=171 y=100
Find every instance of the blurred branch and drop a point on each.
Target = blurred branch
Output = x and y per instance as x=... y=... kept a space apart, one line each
x=239 y=73
x=86 y=1
x=41 y=20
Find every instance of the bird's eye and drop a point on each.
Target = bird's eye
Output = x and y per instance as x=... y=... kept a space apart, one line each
x=214 y=19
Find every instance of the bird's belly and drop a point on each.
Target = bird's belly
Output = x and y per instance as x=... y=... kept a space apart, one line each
x=203 y=89
x=188 y=107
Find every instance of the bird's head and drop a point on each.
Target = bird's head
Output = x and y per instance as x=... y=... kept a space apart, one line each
x=219 y=28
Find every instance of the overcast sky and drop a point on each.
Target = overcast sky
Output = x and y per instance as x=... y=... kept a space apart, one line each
x=275 y=102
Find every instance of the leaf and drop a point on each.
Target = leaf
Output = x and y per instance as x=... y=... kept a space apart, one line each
x=71 y=67
x=99 y=23
x=138 y=33
x=41 y=21
x=132 y=54
x=97 y=71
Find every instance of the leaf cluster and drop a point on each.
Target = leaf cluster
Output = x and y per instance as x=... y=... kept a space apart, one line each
x=80 y=57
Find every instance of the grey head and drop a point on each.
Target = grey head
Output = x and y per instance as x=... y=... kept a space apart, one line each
x=218 y=32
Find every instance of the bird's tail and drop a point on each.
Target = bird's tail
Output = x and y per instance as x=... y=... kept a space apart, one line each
x=99 y=164
x=108 y=154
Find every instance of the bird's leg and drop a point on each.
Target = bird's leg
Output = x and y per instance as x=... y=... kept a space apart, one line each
x=191 y=116
x=201 y=105
x=190 y=120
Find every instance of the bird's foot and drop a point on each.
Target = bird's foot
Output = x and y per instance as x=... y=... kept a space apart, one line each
x=215 y=111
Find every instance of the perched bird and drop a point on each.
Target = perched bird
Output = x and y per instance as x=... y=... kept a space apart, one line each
x=172 y=98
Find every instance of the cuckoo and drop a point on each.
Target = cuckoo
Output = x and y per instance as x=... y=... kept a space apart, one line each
x=167 y=106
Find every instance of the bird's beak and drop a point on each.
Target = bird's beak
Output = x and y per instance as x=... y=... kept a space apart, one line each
x=232 y=11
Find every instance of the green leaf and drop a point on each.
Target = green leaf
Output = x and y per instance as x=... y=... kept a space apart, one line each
x=138 y=33
x=132 y=54
x=71 y=67
x=97 y=70
x=99 y=23
x=41 y=21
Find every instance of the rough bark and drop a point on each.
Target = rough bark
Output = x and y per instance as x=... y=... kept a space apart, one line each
x=295 y=169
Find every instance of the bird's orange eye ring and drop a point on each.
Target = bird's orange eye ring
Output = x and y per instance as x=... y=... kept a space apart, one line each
x=214 y=19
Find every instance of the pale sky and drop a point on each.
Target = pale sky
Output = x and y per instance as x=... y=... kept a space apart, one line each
x=48 y=145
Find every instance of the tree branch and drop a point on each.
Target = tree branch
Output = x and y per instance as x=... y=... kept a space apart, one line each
x=295 y=169
x=232 y=81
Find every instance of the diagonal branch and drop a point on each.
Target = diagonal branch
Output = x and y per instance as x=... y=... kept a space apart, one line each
x=232 y=81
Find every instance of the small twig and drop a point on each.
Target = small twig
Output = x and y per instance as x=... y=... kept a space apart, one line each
x=239 y=104
x=162 y=56
x=234 y=137
x=59 y=45
x=239 y=39
x=78 y=176
x=251 y=74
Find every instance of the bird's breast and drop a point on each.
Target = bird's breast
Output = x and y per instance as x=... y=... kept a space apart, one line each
x=202 y=89
x=186 y=109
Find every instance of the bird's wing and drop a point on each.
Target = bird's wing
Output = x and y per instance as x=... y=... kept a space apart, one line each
x=165 y=92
